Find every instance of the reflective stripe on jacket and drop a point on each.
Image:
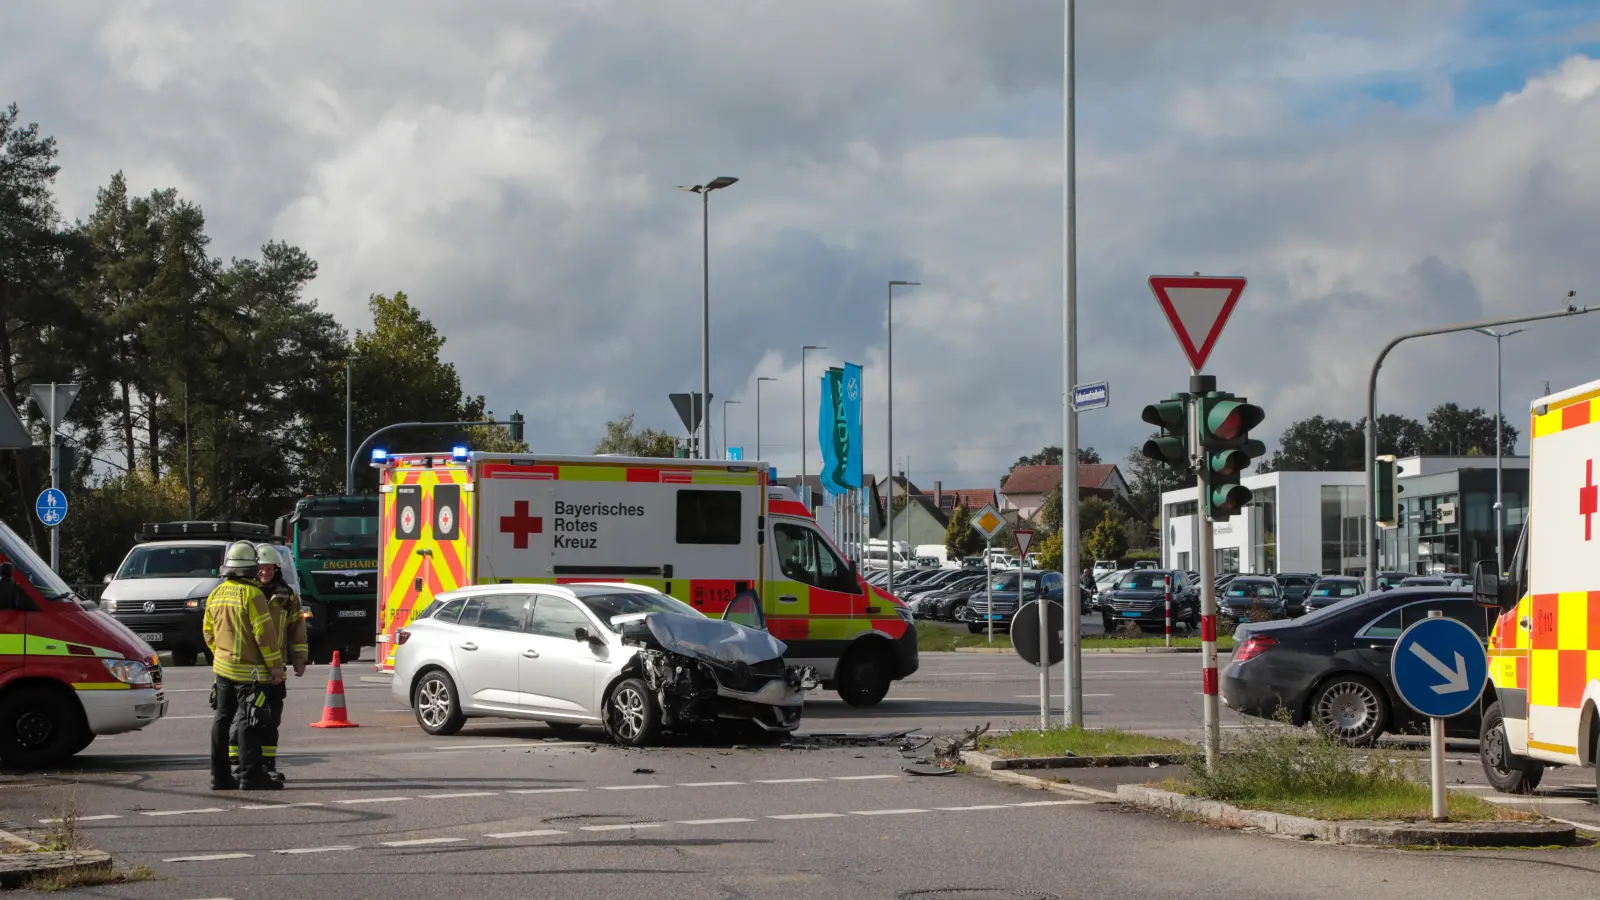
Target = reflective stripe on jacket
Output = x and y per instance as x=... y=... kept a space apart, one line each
x=289 y=616
x=242 y=639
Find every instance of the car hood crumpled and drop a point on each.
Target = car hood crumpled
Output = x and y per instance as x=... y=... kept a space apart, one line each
x=713 y=640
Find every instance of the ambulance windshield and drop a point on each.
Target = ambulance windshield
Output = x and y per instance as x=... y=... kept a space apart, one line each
x=19 y=554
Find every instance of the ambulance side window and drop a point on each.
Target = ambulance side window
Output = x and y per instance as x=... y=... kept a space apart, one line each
x=804 y=557
x=710 y=517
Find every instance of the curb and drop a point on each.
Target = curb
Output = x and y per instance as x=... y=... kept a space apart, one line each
x=1112 y=650
x=980 y=764
x=24 y=860
x=1383 y=834
x=988 y=763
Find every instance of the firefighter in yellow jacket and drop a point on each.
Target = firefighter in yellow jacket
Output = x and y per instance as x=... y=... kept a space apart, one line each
x=246 y=650
x=288 y=616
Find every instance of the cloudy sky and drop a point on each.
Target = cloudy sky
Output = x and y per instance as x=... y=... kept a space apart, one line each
x=1392 y=165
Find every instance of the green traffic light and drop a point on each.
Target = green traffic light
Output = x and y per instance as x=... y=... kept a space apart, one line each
x=1228 y=500
x=1169 y=450
x=1169 y=415
x=1227 y=419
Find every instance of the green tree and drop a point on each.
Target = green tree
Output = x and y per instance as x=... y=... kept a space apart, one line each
x=960 y=538
x=1051 y=551
x=1453 y=431
x=1107 y=540
x=1148 y=479
x=621 y=439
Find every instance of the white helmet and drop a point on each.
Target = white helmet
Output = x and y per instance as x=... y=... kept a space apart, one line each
x=267 y=555
x=241 y=555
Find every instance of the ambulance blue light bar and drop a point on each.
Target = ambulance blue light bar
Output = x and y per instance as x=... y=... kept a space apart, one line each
x=380 y=456
x=460 y=454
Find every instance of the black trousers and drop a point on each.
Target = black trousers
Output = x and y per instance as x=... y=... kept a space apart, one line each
x=237 y=728
x=276 y=694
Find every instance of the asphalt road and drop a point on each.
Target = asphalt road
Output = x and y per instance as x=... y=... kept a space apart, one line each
x=506 y=810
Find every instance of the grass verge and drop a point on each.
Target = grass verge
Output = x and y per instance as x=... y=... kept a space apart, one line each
x=937 y=638
x=1079 y=742
x=54 y=882
x=1405 y=801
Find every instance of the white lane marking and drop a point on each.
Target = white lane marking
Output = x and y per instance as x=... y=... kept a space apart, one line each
x=549 y=791
x=1471 y=787
x=709 y=783
x=279 y=805
x=209 y=857
x=183 y=718
x=631 y=787
x=786 y=780
x=371 y=800
x=861 y=777
x=80 y=819
x=1057 y=803
x=885 y=812
x=1542 y=801
x=421 y=842
x=182 y=812
x=526 y=745
x=303 y=850
x=713 y=821
x=964 y=808
x=807 y=816
x=1036 y=696
x=456 y=796
x=623 y=827
x=543 y=832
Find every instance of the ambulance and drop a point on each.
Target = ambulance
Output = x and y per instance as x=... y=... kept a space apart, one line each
x=1544 y=651
x=699 y=530
x=68 y=671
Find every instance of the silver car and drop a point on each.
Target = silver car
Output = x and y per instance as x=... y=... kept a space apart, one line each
x=629 y=658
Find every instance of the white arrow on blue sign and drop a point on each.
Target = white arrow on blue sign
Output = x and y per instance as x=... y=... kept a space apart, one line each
x=1439 y=667
x=51 y=507
x=1091 y=396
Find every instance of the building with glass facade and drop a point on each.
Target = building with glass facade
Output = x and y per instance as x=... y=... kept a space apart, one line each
x=1316 y=521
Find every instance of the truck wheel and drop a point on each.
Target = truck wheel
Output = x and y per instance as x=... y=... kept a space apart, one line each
x=863 y=676
x=438 y=710
x=351 y=653
x=321 y=654
x=185 y=658
x=40 y=726
x=1507 y=772
x=631 y=716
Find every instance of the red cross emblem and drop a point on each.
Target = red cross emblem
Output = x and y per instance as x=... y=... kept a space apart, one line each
x=1588 y=500
x=520 y=524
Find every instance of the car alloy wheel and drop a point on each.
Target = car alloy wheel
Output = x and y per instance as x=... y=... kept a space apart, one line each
x=433 y=703
x=628 y=713
x=1351 y=710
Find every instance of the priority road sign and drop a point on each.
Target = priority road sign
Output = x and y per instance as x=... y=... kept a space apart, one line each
x=1439 y=667
x=1091 y=396
x=51 y=507
x=1197 y=307
x=1024 y=541
x=989 y=521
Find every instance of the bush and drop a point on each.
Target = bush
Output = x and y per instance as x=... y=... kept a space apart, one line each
x=1266 y=764
x=1127 y=561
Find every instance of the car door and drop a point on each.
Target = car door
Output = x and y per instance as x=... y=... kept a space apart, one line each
x=486 y=645
x=14 y=615
x=812 y=596
x=558 y=670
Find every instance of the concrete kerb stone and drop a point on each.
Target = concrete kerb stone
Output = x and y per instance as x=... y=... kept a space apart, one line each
x=1382 y=834
x=990 y=763
x=22 y=860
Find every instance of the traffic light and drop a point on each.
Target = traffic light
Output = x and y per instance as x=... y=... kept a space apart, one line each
x=1171 y=446
x=516 y=427
x=1386 y=506
x=1227 y=449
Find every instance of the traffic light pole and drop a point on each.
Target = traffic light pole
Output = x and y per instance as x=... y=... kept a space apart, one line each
x=1212 y=712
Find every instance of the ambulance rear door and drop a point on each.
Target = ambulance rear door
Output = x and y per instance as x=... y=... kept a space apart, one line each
x=425 y=534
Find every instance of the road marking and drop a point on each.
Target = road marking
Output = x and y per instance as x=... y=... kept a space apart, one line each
x=80 y=819
x=421 y=842
x=713 y=821
x=543 y=832
x=861 y=777
x=709 y=783
x=182 y=812
x=964 y=808
x=1541 y=801
x=786 y=780
x=1057 y=803
x=885 y=812
x=808 y=816
x=549 y=791
x=209 y=857
x=302 y=850
x=1471 y=787
x=183 y=718
x=1035 y=696
x=526 y=745
x=631 y=787
x=623 y=827
x=278 y=805
x=456 y=796
x=371 y=800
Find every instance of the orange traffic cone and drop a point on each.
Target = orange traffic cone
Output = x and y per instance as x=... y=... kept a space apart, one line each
x=333 y=712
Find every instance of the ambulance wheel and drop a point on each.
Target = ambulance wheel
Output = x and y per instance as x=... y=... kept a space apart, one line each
x=631 y=716
x=1507 y=772
x=437 y=707
x=40 y=726
x=863 y=676
x=185 y=658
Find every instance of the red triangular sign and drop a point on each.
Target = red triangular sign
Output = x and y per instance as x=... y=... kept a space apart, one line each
x=1197 y=307
x=1024 y=541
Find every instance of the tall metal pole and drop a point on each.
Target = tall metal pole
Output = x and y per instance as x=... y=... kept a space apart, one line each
x=906 y=510
x=188 y=451
x=705 y=325
x=1372 y=405
x=725 y=426
x=349 y=487
x=805 y=492
x=55 y=530
x=1499 y=464
x=1072 y=551
x=759 y=457
x=889 y=429
x=1212 y=711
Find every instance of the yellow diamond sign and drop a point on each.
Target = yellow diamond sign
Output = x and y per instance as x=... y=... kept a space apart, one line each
x=989 y=521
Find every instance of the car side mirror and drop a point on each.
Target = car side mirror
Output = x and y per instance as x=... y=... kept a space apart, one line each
x=1488 y=588
x=106 y=580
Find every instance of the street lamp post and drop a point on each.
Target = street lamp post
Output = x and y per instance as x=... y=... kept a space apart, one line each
x=1499 y=462
x=889 y=430
x=805 y=492
x=758 y=415
x=704 y=190
x=725 y=427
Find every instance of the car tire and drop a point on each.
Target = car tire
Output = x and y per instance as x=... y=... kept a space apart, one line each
x=185 y=658
x=631 y=716
x=1350 y=707
x=958 y=612
x=974 y=628
x=863 y=677
x=564 y=730
x=350 y=654
x=1107 y=623
x=40 y=726
x=1506 y=772
x=437 y=704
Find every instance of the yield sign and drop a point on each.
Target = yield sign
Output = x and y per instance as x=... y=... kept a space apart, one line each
x=1197 y=306
x=1024 y=541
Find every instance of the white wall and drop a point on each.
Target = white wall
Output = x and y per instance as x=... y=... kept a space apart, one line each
x=1299 y=525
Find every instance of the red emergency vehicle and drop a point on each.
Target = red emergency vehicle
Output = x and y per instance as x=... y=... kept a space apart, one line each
x=68 y=671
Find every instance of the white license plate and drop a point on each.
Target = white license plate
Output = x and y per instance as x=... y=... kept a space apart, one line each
x=352 y=614
x=150 y=637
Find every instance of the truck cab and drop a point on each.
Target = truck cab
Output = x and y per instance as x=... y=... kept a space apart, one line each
x=334 y=541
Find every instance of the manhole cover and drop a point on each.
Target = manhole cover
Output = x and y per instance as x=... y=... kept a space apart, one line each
x=976 y=894
x=600 y=819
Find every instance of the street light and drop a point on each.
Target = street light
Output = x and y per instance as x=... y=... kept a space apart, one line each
x=889 y=421
x=805 y=493
x=1499 y=463
x=704 y=190
x=758 y=415
x=725 y=427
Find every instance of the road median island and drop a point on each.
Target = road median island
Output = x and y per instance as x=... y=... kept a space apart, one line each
x=26 y=864
x=1073 y=748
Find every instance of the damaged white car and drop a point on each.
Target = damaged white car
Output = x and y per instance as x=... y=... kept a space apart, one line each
x=625 y=657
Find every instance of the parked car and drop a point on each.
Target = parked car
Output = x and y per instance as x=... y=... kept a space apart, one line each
x=626 y=657
x=999 y=604
x=1103 y=567
x=1252 y=595
x=1141 y=597
x=950 y=603
x=1295 y=586
x=1145 y=564
x=1331 y=667
x=926 y=586
x=1333 y=589
x=1423 y=581
x=1388 y=580
x=971 y=562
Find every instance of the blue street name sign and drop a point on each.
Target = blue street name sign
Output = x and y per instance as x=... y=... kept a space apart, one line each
x=1439 y=667
x=1091 y=396
x=51 y=507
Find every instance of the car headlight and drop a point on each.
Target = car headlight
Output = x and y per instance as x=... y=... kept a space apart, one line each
x=129 y=671
x=109 y=606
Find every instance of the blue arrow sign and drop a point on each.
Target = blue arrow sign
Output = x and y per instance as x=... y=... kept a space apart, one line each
x=1439 y=667
x=51 y=507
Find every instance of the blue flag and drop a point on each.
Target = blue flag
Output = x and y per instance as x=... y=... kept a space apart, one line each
x=829 y=432
x=852 y=426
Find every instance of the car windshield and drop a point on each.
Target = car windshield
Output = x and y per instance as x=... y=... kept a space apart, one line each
x=622 y=603
x=1425 y=582
x=1030 y=582
x=1257 y=589
x=37 y=571
x=173 y=561
x=320 y=534
x=1144 y=580
x=1337 y=589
